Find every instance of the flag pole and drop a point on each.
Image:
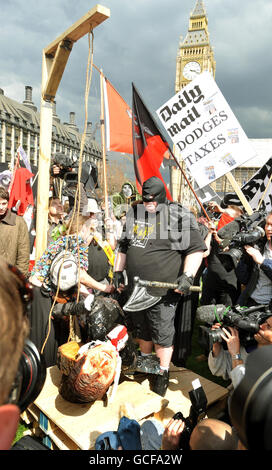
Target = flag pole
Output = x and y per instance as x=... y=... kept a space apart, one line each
x=189 y=184
x=102 y=122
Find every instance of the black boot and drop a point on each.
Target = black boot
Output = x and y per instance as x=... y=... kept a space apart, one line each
x=161 y=382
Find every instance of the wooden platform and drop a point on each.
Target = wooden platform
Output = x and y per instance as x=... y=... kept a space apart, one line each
x=69 y=426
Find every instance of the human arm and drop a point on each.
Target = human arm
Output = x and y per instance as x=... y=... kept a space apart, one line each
x=208 y=239
x=264 y=263
x=120 y=264
x=23 y=247
x=255 y=254
x=192 y=262
x=172 y=433
x=231 y=336
x=109 y=233
x=213 y=206
x=89 y=281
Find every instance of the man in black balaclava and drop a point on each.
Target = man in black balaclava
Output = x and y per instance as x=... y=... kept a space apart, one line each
x=160 y=242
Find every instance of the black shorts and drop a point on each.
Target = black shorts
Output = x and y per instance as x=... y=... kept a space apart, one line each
x=156 y=324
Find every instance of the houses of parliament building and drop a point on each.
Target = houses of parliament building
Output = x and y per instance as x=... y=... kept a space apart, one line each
x=20 y=126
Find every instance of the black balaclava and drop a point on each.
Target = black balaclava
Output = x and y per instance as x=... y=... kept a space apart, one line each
x=154 y=190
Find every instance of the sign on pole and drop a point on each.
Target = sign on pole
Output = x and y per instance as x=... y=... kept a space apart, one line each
x=204 y=129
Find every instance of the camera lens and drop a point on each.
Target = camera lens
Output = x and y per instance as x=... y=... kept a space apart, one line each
x=32 y=370
x=231 y=258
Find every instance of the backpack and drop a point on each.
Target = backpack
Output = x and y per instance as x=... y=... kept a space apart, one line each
x=64 y=271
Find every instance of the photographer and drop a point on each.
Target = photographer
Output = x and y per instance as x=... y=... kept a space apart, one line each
x=255 y=270
x=208 y=434
x=220 y=285
x=14 y=329
x=230 y=363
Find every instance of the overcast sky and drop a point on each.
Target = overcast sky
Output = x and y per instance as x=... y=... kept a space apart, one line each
x=139 y=43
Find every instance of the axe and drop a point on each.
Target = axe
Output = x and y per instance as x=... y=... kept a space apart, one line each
x=140 y=299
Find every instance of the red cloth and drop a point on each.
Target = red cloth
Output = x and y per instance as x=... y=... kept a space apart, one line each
x=224 y=220
x=21 y=190
x=149 y=146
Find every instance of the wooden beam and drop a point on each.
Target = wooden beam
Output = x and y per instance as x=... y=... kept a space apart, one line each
x=58 y=64
x=93 y=18
x=46 y=122
x=55 y=57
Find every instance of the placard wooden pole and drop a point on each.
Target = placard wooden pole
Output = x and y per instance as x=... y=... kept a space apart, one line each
x=239 y=193
x=54 y=59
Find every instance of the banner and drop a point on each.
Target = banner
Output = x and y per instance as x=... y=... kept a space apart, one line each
x=118 y=120
x=150 y=149
x=24 y=157
x=207 y=194
x=204 y=129
x=254 y=189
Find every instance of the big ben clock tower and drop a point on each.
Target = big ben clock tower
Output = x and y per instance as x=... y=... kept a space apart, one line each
x=195 y=55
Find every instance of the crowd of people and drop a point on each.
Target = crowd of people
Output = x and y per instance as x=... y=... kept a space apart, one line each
x=156 y=240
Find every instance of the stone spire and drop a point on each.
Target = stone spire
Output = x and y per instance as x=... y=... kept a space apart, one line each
x=199 y=9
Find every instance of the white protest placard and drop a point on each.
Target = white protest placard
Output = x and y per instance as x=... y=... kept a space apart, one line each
x=205 y=131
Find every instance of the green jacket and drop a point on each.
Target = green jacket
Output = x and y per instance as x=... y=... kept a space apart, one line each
x=14 y=241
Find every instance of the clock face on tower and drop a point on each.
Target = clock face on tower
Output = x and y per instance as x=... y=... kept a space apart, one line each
x=191 y=70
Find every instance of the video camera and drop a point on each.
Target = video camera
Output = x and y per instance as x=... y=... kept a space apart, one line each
x=246 y=319
x=197 y=413
x=30 y=377
x=68 y=166
x=245 y=230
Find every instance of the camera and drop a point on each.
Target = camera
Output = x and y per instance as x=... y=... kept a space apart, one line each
x=197 y=413
x=249 y=231
x=246 y=319
x=69 y=173
x=30 y=377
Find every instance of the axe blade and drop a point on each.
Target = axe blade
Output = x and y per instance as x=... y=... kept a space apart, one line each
x=140 y=300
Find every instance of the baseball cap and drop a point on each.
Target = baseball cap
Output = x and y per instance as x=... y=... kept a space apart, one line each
x=92 y=206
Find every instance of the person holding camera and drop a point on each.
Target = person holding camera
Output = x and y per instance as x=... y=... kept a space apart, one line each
x=230 y=362
x=208 y=434
x=255 y=270
x=219 y=285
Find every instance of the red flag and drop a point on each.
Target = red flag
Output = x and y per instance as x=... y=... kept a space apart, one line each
x=118 y=116
x=149 y=146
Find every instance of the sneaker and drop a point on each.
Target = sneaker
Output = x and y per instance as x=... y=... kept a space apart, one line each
x=161 y=382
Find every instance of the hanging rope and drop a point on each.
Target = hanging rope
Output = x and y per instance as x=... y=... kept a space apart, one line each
x=89 y=71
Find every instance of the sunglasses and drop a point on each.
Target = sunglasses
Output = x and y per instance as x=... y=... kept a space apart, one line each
x=25 y=288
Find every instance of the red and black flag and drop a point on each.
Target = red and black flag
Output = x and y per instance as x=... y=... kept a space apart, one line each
x=149 y=146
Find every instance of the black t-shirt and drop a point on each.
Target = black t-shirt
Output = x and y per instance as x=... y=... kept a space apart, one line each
x=156 y=244
x=98 y=265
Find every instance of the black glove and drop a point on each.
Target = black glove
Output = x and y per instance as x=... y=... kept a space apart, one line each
x=118 y=278
x=184 y=283
x=69 y=308
x=58 y=312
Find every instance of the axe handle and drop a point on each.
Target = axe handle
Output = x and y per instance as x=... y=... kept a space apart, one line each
x=167 y=285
